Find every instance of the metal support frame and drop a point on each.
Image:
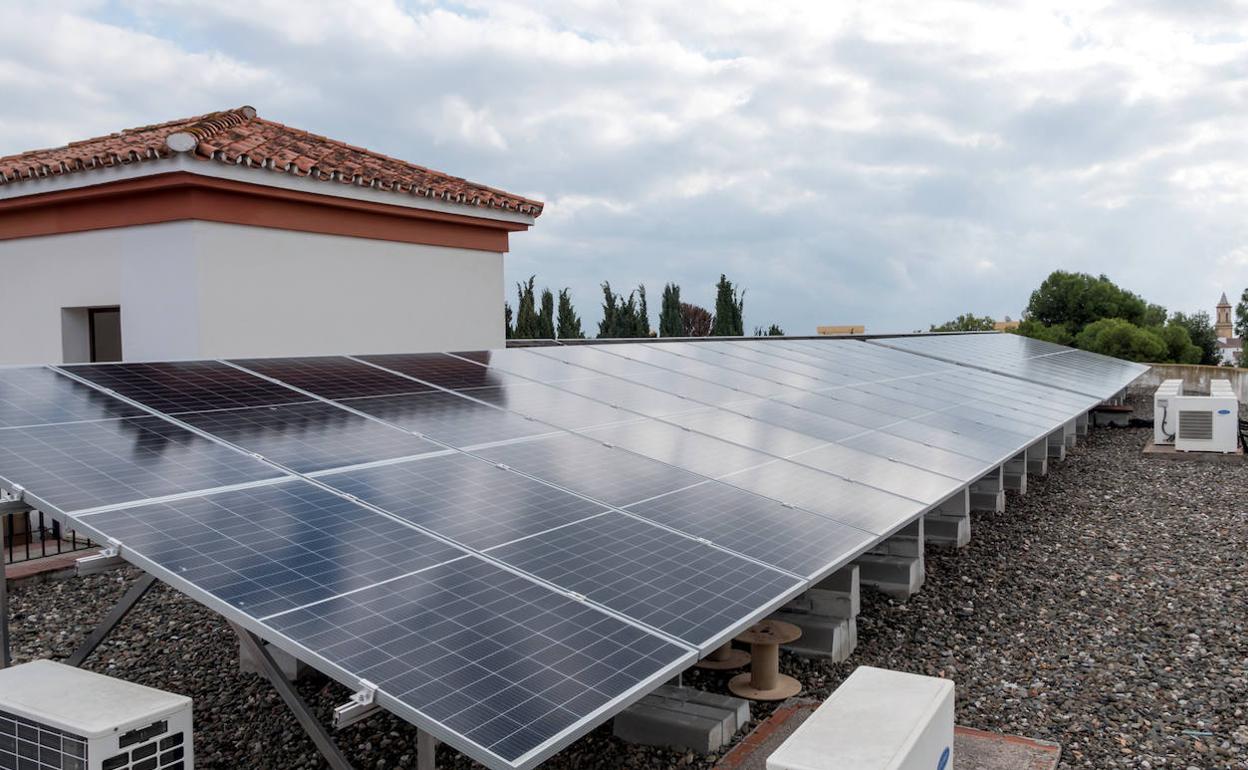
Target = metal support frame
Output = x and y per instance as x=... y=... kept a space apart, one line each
x=5 y=658
x=110 y=621
x=426 y=751
x=271 y=671
x=7 y=507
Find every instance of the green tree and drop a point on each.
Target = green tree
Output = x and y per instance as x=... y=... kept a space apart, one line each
x=569 y=322
x=1057 y=333
x=696 y=320
x=670 y=323
x=508 y=333
x=1179 y=346
x=1078 y=299
x=729 y=309
x=622 y=317
x=527 y=324
x=642 y=323
x=1122 y=339
x=1154 y=315
x=1241 y=316
x=1200 y=330
x=771 y=331
x=1241 y=329
x=546 y=318
x=967 y=322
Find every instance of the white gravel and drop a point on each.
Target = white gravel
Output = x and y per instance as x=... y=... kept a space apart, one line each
x=1107 y=610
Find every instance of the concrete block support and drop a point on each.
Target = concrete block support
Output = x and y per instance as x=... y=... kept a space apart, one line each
x=949 y=523
x=988 y=493
x=1057 y=444
x=1038 y=458
x=895 y=566
x=1070 y=434
x=683 y=718
x=292 y=668
x=1015 y=473
x=827 y=615
x=1082 y=424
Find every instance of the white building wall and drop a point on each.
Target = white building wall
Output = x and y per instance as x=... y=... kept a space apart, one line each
x=266 y=292
x=209 y=290
x=39 y=276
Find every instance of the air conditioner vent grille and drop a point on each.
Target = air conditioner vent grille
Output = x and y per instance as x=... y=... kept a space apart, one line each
x=1196 y=425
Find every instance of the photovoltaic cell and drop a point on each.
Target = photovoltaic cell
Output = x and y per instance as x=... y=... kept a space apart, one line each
x=788 y=538
x=187 y=386
x=88 y=464
x=548 y=404
x=847 y=502
x=685 y=449
x=488 y=655
x=449 y=418
x=310 y=436
x=463 y=498
x=272 y=548
x=38 y=396
x=665 y=580
x=444 y=370
x=612 y=475
x=333 y=377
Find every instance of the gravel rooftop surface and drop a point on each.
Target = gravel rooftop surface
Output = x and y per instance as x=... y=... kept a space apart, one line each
x=1105 y=610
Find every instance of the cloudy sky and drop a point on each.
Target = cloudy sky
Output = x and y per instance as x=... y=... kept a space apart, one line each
x=885 y=163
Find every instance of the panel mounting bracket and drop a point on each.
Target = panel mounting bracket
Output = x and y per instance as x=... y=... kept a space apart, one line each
x=108 y=558
x=361 y=706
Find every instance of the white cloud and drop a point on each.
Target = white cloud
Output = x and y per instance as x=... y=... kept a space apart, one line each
x=893 y=163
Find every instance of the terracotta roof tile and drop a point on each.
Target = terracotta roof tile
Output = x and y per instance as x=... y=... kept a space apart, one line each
x=240 y=137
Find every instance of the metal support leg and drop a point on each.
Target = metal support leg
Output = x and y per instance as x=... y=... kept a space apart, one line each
x=5 y=657
x=271 y=671
x=110 y=621
x=426 y=751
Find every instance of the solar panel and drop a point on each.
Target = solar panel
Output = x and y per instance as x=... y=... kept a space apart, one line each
x=510 y=597
x=463 y=498
x=310 y=436
x=333 y=377
x=506 y=670
x=272 y=548
x=448 y=418
x=798 y=541
x=614 y=476
x=187 y=386
x=37 y=396
x=79 y=465
x=1027 y=359
x=670 y=582
x=444 y=370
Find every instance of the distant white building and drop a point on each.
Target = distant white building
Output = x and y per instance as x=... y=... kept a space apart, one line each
x=1229 y=346
x=229 y=235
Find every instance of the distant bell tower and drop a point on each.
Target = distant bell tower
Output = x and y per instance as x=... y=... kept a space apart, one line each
x=1224 y=327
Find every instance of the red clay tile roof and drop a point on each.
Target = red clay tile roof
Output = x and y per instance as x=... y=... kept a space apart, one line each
x=239 y=137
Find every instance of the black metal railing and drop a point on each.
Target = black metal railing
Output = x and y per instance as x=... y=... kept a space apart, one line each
x=32 y=536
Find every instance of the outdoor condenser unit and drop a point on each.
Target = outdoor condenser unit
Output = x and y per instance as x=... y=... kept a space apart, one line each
x=1163 y=415
x=1205 y=423
x=57 y=716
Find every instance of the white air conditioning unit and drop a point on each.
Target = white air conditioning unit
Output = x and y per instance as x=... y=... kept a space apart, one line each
x=57 y=716
x=1205 y=423
x=1163 y=415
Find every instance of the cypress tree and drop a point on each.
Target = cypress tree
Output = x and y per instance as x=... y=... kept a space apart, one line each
x=527 y=325
x=607 y=326
x=546 y=320
x=670 y=322
x=729 y=319
x=507 y=331
x=642 y=325
x=569 y=322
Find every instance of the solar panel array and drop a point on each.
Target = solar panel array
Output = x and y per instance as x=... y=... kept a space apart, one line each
x=513 y=545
